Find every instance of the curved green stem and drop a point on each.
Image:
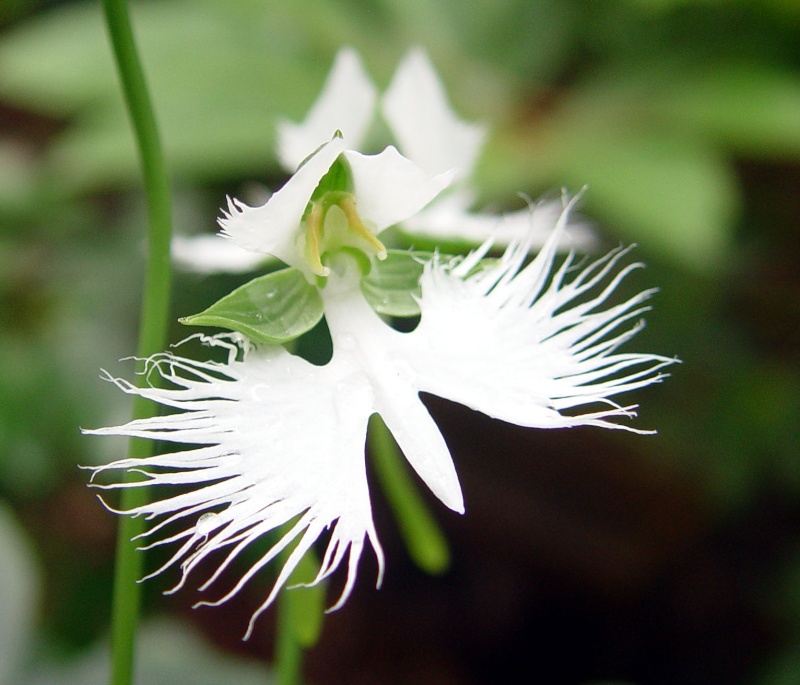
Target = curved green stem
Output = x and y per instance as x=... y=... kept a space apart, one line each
x=153 y=323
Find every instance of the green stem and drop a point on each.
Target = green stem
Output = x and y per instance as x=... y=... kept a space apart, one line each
x=153 y=323
x=425 y=542
x=288 y=650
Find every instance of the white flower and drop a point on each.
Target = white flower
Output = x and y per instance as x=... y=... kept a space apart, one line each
x=209 y=254
x=346 y=104
x=280 y=442
x=386 y=188
x=427 y=132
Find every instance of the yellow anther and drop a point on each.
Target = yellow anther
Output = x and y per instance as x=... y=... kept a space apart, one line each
x=333 y=224
x=348 y=206
x=313 y=246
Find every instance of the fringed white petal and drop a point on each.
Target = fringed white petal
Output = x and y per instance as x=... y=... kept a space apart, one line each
x=280 y=446
x=346 y=104
x=425 y=126
x=524 y=342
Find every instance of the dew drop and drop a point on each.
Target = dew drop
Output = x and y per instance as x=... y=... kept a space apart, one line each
x=206 y=523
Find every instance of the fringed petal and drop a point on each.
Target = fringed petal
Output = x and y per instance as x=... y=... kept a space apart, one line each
x=281 y=447
x=524 y=342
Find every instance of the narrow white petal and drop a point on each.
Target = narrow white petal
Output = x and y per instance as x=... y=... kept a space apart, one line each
x=420 y=440
x=522 y=343
x=424 y=124
x=273 y=228
x=211 y=254
x=282 y=442
x=449 y=219
x=346 y=104
x=359 y=334
x=390 y=188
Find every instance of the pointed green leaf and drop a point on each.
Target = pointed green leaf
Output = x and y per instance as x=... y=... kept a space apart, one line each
x=275 y=308
x=393 y=284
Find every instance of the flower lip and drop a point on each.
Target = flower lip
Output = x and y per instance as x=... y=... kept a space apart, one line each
x=524 y=342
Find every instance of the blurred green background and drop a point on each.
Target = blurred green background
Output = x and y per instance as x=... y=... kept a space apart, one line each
x=584 y=557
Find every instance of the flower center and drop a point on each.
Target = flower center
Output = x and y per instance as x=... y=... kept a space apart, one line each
x=332 y=225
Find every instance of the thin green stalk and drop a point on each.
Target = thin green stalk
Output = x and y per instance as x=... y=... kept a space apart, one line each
x=153 y=323
x=288 y=650
x=425 y=542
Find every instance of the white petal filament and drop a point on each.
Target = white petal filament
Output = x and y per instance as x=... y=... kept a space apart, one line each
x=280 y=444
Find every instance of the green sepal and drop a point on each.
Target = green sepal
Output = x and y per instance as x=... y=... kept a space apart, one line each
x=392 y=286
x=336 y=180
x=305 y=605
x=275 y=308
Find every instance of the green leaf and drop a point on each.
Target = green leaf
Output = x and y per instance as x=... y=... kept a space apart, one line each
x=215 y=124
x=672 y=194
x=753 y=108
x=393 y=284
x=275 y=308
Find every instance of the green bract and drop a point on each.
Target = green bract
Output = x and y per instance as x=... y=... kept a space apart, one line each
x=283 y=305
x=275 y=308
x=337 y=179
x=392 y=286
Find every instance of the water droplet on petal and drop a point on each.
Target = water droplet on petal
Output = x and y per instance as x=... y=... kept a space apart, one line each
x=207 y=523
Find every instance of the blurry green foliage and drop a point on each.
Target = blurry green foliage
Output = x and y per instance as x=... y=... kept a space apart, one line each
x=654 y=104
x=631 y=103
x=169 y=652
x=19 y=596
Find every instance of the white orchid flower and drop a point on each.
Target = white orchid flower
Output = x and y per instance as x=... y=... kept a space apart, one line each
x=304 y=219
x=279 y=442
x=426 y=131
x=346 y=104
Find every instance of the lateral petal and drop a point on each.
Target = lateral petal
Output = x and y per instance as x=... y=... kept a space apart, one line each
x=522 y=343
x=389 y=188
x=283 y=447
